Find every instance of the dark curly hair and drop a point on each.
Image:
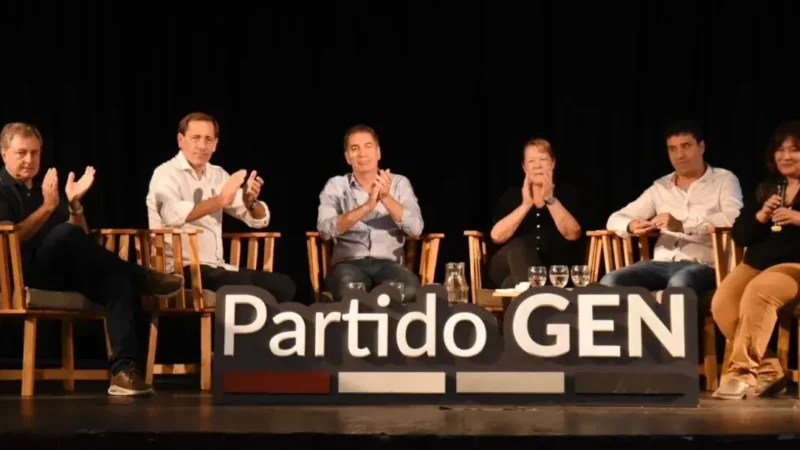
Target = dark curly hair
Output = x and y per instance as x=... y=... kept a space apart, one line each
x=786 y=130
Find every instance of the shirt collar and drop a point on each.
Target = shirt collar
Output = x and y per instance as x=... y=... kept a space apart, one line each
x=183 y=163
x=705 y=177
x=7 y=180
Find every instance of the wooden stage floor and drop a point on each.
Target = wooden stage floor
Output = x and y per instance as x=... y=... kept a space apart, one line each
x=168 y=419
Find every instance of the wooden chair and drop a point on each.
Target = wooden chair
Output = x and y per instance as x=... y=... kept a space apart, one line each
x=598 y=247
x=195 y=301
x=728 y=255
x=622 y=249
x=320 y=252
x=20 y=301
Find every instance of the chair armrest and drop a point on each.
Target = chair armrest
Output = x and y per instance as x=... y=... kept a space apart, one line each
x=187 y=231
x=312 y=234
x=474 y=233
x=253 y=234
x=712 y=229
x=600 y=233
x=12 y=285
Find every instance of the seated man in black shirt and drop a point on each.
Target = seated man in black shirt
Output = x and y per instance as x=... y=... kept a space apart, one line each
x=534 y=225
x=58 y=254
x=746 y=304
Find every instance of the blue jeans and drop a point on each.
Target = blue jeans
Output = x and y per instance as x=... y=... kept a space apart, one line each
x=372 y=272
x=659 y=275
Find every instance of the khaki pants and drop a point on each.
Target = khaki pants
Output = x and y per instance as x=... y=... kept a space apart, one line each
x=745 y=307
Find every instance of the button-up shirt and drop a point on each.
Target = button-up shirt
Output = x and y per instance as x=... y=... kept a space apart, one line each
x=175 y=189
x=713 y=199
x=376 y=235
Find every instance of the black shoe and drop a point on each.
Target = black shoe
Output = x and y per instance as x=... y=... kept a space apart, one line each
x=163 y=285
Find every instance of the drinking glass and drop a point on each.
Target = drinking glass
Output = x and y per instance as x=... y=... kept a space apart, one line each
x=537 y=275
x=559 y=275
x=580 y=275
x=400 y=287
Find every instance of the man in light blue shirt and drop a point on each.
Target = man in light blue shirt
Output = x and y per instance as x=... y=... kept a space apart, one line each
x=368 y=213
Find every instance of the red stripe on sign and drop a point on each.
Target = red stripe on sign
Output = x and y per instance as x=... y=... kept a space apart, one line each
x=241 y=382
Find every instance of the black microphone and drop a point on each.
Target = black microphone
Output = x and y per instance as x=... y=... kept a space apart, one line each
x=782 y=194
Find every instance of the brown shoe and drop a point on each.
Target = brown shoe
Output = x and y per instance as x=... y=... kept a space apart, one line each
x=771 y=385
x=163 y=285
x=129 y=382
x=734 y=389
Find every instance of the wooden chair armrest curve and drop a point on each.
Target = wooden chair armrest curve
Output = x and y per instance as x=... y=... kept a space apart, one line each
x=596 y=233
x=187 y=231
x=312 y=234
x=431 y=236
x=253 y=234
x=473 y=233
x=117 y=231
x=712 y=229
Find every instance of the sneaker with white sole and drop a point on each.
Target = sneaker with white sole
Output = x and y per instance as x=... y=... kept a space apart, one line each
x=129 y=382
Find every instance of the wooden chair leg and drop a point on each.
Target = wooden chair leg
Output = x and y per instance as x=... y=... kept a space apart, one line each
x=726 y=362
x=785 y=325
x=68 y=354
x=206 y=324
x=710 y=354
x=29 y=356
x=151 y=350
x=109 y=350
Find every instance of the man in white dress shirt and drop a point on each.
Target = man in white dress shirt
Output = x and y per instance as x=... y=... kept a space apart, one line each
x=680 y=206
x=189 y=192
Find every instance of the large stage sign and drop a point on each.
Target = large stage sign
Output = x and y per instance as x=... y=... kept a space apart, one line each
x=592 y=345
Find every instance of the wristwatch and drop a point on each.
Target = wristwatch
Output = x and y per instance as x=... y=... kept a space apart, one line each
x=550 y=200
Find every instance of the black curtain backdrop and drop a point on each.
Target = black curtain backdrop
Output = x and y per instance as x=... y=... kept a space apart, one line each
x=454 y=89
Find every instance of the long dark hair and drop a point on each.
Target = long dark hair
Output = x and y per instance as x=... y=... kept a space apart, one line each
x=786 y=130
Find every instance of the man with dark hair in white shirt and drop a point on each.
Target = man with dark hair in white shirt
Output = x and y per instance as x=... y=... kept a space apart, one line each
x=187 y=191
x=680 y=206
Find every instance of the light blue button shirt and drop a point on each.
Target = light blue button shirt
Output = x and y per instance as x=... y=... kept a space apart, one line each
x=376 y=235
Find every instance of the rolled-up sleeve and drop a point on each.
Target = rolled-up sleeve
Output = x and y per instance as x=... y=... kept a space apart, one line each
x=328 y=210
x=238 y=209
x=170 y=206
x=641 y=208
x=411 y=222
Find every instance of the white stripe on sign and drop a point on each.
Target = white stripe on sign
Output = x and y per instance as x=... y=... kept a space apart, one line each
x=510 y=382
x=391 y=382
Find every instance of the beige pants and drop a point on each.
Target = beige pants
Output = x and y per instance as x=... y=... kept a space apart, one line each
x=745 y=307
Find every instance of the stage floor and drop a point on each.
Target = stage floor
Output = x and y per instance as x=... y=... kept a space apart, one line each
x=76 y=420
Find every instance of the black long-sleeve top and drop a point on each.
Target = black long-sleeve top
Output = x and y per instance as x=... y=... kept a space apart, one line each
x=763 y=247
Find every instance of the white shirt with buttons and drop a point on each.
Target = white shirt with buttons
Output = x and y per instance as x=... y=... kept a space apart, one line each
x=714 y=199
x=175 y=189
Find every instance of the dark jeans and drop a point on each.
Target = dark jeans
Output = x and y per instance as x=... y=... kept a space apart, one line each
x=372 y=272
x=69 y=260
x=659 y=275
x=509 y=266
x=279 y=285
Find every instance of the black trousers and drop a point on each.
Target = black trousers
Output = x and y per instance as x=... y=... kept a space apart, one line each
x=509 y=266
x=69 y=260
x=279 y=285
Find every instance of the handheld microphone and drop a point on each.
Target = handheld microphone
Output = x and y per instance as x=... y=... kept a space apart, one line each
x=782 y=194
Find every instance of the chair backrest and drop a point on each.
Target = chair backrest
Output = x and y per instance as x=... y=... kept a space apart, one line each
x=12 y=285
x=154 y=255
x=421 y=256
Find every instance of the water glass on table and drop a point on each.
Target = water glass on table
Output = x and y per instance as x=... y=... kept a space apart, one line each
x=537 y=275
x=559 y=276
x=580 y=275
